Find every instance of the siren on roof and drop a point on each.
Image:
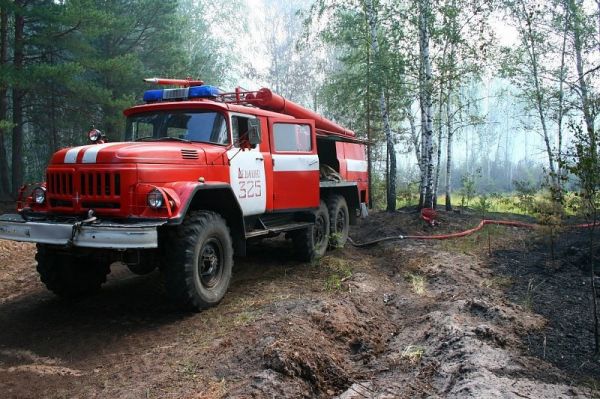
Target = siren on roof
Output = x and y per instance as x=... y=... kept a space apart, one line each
x=190 y=89
x=184 y=93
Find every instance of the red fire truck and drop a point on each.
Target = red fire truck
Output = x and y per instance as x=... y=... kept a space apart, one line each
x=198 y=174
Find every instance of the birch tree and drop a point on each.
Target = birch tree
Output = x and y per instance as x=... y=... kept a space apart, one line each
x=391 y=152
x=532 y=75
x=425 y=93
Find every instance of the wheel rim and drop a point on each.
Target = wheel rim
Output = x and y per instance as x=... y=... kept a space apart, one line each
x=340 y=221
x=319 y=230
x=210 y=263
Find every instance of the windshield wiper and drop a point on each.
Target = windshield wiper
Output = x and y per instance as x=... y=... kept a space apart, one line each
x=148 y=138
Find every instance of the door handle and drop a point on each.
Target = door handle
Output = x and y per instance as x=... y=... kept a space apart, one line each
x=260 y=159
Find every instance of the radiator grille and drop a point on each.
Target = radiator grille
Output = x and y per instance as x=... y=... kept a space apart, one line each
x=60 y=183
x=89 y=189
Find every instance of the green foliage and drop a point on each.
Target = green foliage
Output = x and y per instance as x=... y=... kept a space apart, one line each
x=525 y=193
x=408 y=194
x=585 y=165
x=483 y=205
x=467 y=190
x=85 y=60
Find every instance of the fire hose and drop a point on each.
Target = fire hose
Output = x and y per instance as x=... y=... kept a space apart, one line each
x=464 y=233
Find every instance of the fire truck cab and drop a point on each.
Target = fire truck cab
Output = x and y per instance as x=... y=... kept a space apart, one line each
x=198 y=174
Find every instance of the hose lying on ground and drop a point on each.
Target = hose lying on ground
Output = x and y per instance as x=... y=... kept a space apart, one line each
x=463 y=233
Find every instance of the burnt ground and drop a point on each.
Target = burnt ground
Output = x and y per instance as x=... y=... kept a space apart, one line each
x=402 y=319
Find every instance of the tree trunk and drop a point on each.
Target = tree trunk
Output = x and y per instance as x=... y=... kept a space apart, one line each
x=539 y=97
x=426 y=105
x=368 y=117
x=414 y=136
x=17 y=94
x=438 y=158
x=391 y=178
x=559 y=195
x=4 y=180
x=585 y=100
x=449 y=150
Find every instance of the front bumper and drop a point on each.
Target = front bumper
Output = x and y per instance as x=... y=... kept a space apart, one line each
x=97 y=234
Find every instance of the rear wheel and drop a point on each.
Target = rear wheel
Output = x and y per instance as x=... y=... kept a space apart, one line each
x=70 y=275
x=198 y=261
x=340 y=220
x=311 y=243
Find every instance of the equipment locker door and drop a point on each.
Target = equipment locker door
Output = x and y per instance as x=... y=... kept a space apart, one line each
x=295 y=164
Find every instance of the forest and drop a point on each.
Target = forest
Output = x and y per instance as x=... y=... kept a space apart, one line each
x=450 y=94
x=472 y=274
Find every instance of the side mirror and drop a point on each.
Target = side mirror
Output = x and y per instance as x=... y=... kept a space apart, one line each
x=254 y=132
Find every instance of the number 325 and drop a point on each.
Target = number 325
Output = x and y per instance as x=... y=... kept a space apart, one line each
x=250 y=189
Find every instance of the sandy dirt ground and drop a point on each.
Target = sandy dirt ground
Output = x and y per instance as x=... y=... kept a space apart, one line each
x=403 y=319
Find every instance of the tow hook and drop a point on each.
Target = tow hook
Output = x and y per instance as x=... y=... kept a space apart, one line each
x=77 y=226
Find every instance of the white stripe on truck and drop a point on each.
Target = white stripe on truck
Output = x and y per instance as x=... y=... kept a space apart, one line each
x=356 y=165
x=71 y=155
x=91 y=154
x=295 y=162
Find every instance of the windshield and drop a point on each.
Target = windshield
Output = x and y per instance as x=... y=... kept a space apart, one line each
x=199 y=126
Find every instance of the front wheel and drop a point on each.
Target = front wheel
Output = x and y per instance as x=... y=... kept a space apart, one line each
x=198 y=261
x=311 y=243
x=70 y=275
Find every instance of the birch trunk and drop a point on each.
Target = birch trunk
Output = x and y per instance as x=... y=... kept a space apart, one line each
x=391 y=175
x=438 y=158
x=560 y=115
x=414 y=136
x=539 y=97
x=578 y=41
x=426 y=105
x=449 y=133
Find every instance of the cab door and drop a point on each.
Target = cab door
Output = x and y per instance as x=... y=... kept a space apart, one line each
x=295 y=164
x=247 y=169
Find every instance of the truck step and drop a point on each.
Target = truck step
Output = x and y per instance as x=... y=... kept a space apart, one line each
x=276 y=230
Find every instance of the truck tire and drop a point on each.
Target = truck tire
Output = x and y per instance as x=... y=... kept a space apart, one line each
x=70 y=276
x=198 y=261
x=339 y=217
x=311 y=243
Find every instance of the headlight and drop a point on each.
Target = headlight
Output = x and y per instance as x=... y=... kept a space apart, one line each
x=155 y=199
x=39 y=195
x=94 y=135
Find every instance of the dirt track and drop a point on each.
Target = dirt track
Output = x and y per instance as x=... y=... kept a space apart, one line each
x=405 y=319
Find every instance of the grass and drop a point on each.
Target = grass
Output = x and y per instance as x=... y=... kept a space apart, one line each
x=528 y=299
x=476 y=241
x=501 y=203
x=417 y=282
x=497 y=282
x=340 y=270
x=413 y=353
x=594 y=386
